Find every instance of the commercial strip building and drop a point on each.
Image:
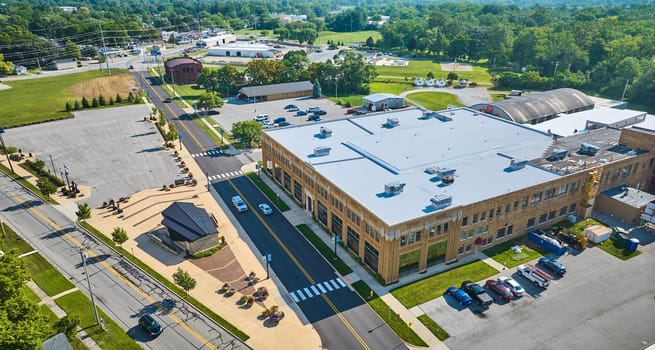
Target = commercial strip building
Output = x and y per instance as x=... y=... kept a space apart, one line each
x=410 y=189
x=277 y=91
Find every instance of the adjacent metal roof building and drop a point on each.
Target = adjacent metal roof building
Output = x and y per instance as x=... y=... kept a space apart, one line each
x=538 y=106
x=278 y=91
x=186 y=222
x=570 y=124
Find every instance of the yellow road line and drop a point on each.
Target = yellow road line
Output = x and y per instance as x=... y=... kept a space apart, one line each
x=297 y=263
x=73 y=240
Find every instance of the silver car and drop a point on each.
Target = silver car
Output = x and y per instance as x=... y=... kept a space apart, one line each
x=514 y=286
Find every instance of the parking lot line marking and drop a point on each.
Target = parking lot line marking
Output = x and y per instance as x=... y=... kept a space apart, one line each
x=341 y=282
x=309 y=294
x=294 y=297
x=327 y=286
x=302 y=296
x=315 y=290
x=321 y=288
x=336 y=286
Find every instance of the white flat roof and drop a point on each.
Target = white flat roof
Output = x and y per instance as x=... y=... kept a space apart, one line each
x=648 y=123
x=366 y=154
x=566 y=124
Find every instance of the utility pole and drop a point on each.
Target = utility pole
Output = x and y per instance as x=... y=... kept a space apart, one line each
x=104 y=47
x=625 y=89
x=54 y=170
x=85 y=256
x=4 y=149
x=554 y=75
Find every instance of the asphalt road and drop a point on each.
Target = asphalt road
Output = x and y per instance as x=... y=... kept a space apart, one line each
x=123 y=292
x=341 y=317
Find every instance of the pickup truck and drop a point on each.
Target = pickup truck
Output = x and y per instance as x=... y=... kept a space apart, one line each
x=477 y=293
x=535 y=275
x=553 y=265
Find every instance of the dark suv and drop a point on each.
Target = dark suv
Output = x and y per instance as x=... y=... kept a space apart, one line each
x=149 y=325
x=477 y=293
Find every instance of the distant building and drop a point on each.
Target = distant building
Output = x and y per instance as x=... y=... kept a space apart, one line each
x=217 y=40
x=277 y=91
x=380 y=102
x=624 y=203
x=69 y=9
x=284 y=19
x=190 y=227
x=246 y=50
x=182 y=70
x=64 y=63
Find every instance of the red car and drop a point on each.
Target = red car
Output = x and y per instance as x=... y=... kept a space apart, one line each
x=499 y=288
x=351 y=111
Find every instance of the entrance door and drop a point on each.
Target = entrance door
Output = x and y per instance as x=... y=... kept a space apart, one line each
x=309 y=204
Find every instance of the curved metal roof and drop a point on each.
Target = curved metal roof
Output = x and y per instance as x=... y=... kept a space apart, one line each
x=543 y=104
x=173 y=62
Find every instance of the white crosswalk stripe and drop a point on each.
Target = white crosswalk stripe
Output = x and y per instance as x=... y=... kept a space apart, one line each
x=302 y=296
x=309 y=294
x=317 y=289
x=211 y=152
x=321 y=288
x=225 y=175
x=327 y=285
x=294 y=297
x=342 y=283
x=336 y=286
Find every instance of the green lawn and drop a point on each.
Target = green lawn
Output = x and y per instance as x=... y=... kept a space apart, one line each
x=115 y=338
x=435 y=286
x=39 y=100
x=436 y=101
x=207 y=129
x=613 y=248
x=268 y=192
x=503 y=253
x=434 y=327
x=421 y=68
x=347 y=37
x=46 y=276
x=190 y=93
x=391 y=318
x=324 y=249
x=11 y=239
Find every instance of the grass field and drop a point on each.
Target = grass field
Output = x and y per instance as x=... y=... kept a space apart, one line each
x=503 y=253
x=10 y=240
x=613 y=248
x=435 y=286
x=324 y=249
x=434 y=327
x=421 y=68
x=435 y=101
x=42 y=99
x=46 y=276
x=347 y=37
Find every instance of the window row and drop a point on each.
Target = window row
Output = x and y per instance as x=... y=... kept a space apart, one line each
x=410 y=238
x=552 y=215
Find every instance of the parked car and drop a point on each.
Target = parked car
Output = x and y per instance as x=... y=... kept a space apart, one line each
x=267 y=124
x=553 y=265
x=320 y=112
x=261 y=117
x=514 y=286
x=477 y=293
x=290 y=106
x=266 y=209
x=313 y=109
x=499 y=288
x=314 y=117
x=460 y=295
x=301 y=112
x=239 y=204
x=168 y=100
x=293 y=109
x=150 y=325
x=283 y=124
x=279 y=120
x=360 y=112
x=351 y=111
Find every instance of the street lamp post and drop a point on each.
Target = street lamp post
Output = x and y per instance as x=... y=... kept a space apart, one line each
x=4 y=148
x=85 y=256
x=54 y=170
x=336 y=240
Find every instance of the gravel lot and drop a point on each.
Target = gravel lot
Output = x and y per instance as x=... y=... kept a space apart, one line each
x=601 y=303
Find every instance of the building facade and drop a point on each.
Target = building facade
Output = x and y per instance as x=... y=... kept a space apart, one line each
x=461 y=219
x=182 y=70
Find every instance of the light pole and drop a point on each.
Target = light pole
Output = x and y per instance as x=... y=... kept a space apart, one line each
x=336 y=92
x=268 y=257
x=554 y=75
x=85 y=256
x=66 y=173
x=4 y=149
x=54 y=170
x=337 y=239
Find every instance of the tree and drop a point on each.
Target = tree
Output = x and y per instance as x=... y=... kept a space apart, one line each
x=68 y=106
x=71 y=50
x=248 y=131
x=46 y=187
x=370 y=42
x=184 y=280
x=85 y=102
x=5 y=66
x=264 y=72
x=83 y=211
x=68 y=326
x=295 y=65
x=39 y=165
x=119 y=235
x=172 y=134
x=209 y=100
x=316 y=91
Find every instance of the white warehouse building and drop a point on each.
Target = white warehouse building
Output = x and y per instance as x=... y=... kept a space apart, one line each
x=245 y=50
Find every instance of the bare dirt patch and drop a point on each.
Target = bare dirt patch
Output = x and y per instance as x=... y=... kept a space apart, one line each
x=106 y=86
x=456 y=67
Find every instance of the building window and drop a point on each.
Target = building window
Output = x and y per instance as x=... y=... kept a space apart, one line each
x=530 y=222
x=574 y=186
x=460 y=250
x=551 y=215
x=549 y=194
x=468 y=247
x=445 y=227
x=337 y=225
x=485 y=228
x=371 y=256
x=562 y=189
x=403 y=240
x=562 y=211
x=411 y=238
x=470 y=233
x=322 y=213
x=483 y=216
x=433 y=232
x=475 y=218
x=478 y=231
x=572 y=208
x=542 y=218
x=500 y=233
x=418 y=236
x=439 y=229
x=510 y=230
x=287 y=182
x=462 y=236
x=516 y=205
x=297 y=191
x=524 y=202
x=465 y=221
x=491 y=214
x=536 y=198
x=507 y=208
x=498 y=212
x=352 y=240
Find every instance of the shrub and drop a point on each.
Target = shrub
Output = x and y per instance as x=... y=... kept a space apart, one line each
x=101 y=100
x=94 y=102
x=77 y=106
x=111 y=101
x=85 y=102
x=349 y=104
x=119 y=99
x=69 y=107
x=130 y=97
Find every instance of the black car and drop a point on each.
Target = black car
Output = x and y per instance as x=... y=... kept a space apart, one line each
x=152 y=327
x=314 y=117
x=168 y=100
x=477 y=293
x=320 y=112
x=279 y=120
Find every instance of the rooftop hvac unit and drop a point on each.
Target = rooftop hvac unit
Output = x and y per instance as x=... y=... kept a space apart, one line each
x=426 y=115
x=325 y=132
x=432 y=170
x=443 y=118
x=392 y=122
x=516 y=164
x=321 y=151
x=393 y=188
x=443 y=172
x=589 y=149
x=558 y=154
x=447 y=179
x=441 y=201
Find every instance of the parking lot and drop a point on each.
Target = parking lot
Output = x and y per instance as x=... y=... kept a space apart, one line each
x=601 y=303
x=236 y=110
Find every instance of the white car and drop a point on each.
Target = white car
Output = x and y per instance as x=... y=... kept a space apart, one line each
x=261 y=117
x=514 y=286
x=266 y=209
x=267 y=124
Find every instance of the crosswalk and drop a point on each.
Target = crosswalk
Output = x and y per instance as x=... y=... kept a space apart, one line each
x=225 y=175
x=209 y=153
x=317 y=289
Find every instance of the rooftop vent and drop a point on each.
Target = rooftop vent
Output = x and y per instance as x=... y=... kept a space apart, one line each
x=325 y=132
x=426 y=115
x=321 y=151
x=443 y=118
x=440 y=201
x=443 y=172
x=392 y=122
x=516 y=164
x=394 y=188
x=558 y=154
x=432 y=170
x=589 y=149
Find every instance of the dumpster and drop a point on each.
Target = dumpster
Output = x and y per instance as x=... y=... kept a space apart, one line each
x=631 y=245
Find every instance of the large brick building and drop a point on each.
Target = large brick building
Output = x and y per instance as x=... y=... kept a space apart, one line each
x=182 y=70
x=407 y=190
